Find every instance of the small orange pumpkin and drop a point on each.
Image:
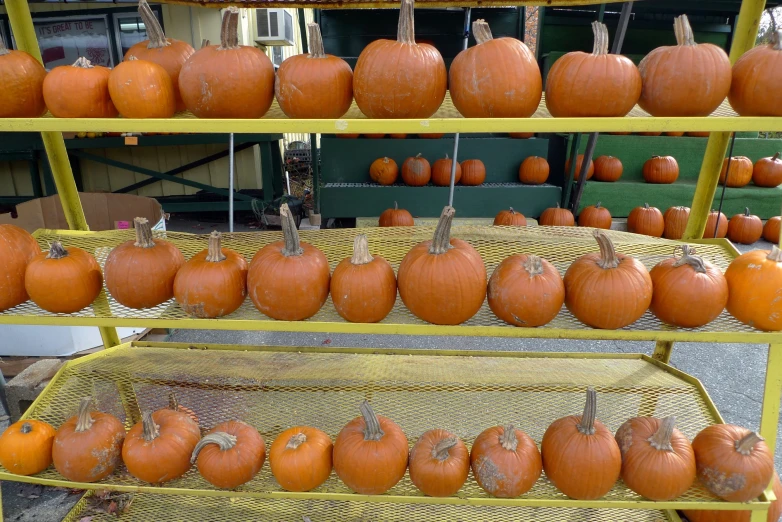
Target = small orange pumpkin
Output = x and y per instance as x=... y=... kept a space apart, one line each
x=745 y=228
x=534 y=170
x=17 y=249
x=439 y=463
x=26 y=447
x=661 y=169
x=741 y=169
x=142 y=89
x=526 y=290
x=652 y=133
x=754 y=280
x=432 y=135
x=80 y=90
x=595 y=216
x=473 y=172
x=399 y=136
x=774 y=511
x=301 y=458
x=675 y=219
x=646 y=220
x=608 y=168
x=396 y=217
x=416 y=171
x=698 y=134
x=767 y=172
x=230 y=455
x=771 y=230
x=557 y=217
x=716 y=221
x=22 y=77
x=754 y=87
x=510 y=218
x=521 y=135
x=374 y=136
x=384 y=171
x=579 y=165
x=505 y=461
x=674 y=133
x=441 y=172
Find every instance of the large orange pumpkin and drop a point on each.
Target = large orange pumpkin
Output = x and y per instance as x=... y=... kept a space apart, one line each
x=169 y=53
x=300 y=458
x=771 y=230
x=63 y=280
x=22 y=78
x=754 y=280
x=767 y=172
x=534 y=170
x=497 y=78
x=774 y=511
x=607 y=290
x=439 y=463
x=363 y=287
x=505 y=461
x=26 y=447
x=526 y=290
x=741 y=169
x=716 y=222
x=510 y=218
x=370 y=453
x=579 y=165
x=608 y=168
x=745 y=228
x=756 y=79
x=557 y=217
x=396 y=217
x=441 y=172
x=646 y=220
x=314 y=85
x=675 y=222
x=672 y=74
x=384 y=171
x=230 y=455
x=661 y=169
x=443 y=281
x=80 y=90
x=17 y=249
x=583 y=85
x=596 y=216
x=288 y=280
x=416 y=171
x=473 y=172
x=229 y=80
x=142 y=89
x=400 y=78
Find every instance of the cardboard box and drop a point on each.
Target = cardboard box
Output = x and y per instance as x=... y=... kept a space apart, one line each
x=103 y=212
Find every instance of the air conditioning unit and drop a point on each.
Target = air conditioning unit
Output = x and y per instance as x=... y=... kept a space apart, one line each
x=273 y=27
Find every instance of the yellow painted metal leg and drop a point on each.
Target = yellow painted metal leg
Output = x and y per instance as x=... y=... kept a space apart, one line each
x=662 y=351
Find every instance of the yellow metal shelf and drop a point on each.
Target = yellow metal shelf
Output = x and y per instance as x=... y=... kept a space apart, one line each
x=274 y=388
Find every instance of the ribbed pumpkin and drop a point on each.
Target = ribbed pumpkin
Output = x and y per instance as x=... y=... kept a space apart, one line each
x=646 y=220
x=140 y=273
x=755 y=87
x=716 y=220
x=17 y=249
x=745 y=228
x=498 y=78
x=213 y=283
x=580 y=455
x=754 y=280
x=688 y=291
x=384 y=171
x=63 y=280
x=301 y=458
x=400 y=78
x=596 y=216
x=557 y=217
x=230 y=455
x=441 y=172
x=169 y=53
x=608 y=168
x=288 y=280
x=22 y=78
x=314 y=85
x=675 y=222
x=505 y=461
x=657 y=459
x=534 y=170
x=673 y=74
x=661 y=169
x=396 y=217
x=80 y=90
x=774 y=511
x=583 y=85
x=439 y=463
x=607 y=290
x=229 y=80
x=767 y=172
x=473 y=172
x=771 y=229
x=579 y=165
x=142 y=89
x=740 y=174
x=443 y=281
x=416 y=171
x=526 y=290
x=26 y=447
x=363 y=287
x=510 y=218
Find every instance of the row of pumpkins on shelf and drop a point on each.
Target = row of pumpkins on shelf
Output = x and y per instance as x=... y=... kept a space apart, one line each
x=394 y=79
x=371 y=455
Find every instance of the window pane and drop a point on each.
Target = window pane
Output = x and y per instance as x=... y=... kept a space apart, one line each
x=62 y=42
x=131 y=32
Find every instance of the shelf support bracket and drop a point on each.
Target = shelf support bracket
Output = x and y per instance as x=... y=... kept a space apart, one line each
x=662 y=351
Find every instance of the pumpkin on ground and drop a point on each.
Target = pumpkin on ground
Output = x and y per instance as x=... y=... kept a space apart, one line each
x=80 y=90
x=716 y=222
x=580 y=456
x=733 y=462
x=557 y=217
x=441 y=172
x=26 y=447
x=363 y=287
x=526 y=290
x=370 y=453
x=416 y=171
x=646 y=220
x=301 y=458
x=756 y=79
x=400 y=78
x=672 y=74
x=596 y=216
x=396 y=217
x=443 y=281
x=774 y=511
x=583 y=85
x=288 y=280
x=745 y=228
x=607 y=290
x=688 y=291
x=497 y=78
x=384 y=171
x=534 y=170
x=767 y=172
x=22 y=78
x=88 y=447
x=754 y=280
x=657 y=459
x=608 y=168
x=229 y=80
x=505 y=461
x=17 y=249
x=142 y=89
x=473 y=172
x=661 y=169
x=740 y=174
x=63 y=280
x=771 y=232
x=230 y=455
x=439 y=463
x=213 y=283
x=510 y=218
x=579 y=166
x=140 y=274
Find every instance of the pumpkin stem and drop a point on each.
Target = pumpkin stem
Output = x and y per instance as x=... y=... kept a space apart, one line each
x=3 y=49
x=661 y=440
x=296 y=441
x=689 y=258
x=56 y=251
x=173 y=403
x=775 y=254
x=361 y=255
x=290 y=233
x=598 y=204
x=143 y=233
x=405 y=32
x=481 y=31
x=746 y=211
x=587 y=424
x=82 y=63
x=440 y=451
x=683 y=31
x=372 y=431
x=442 y=234
x=151 y=431
x=747 y=443
x=533 y=265
x=608 y=257
x=157 y=39
x=508 y=439
x=601 y=38
x=224 y=441
x=84 y=421
x=510 y=209
x=646 y=206
x=229 y=37
x=215 y=254
x=26 y=428
x=396 y=207
x=315 y=41
x=776 y=156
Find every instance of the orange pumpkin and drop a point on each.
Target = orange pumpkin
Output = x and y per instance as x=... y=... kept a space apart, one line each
x=370 y=453
x=397 y=136
x=497 y=78
x=607 y=290
x=288 y=280
x=646 y=220
x=22 y=78
x=142 y=89
x=754 y=280
x=657 y=459
x=733 y=462
x=301 y=458
x=230 y=455
x=384 y=171
x=608 y=168
x=672 y=74
x=374 y=136
x=80 y=90
x=505 y=461
x=17 y=249
x=363 y=287
x=510 y=218
x=63 y=280
x=169 y=53
x=688 y=291
x=774 y=511
x=716 y=221
x=583 y=85
x=88 y=447
x=557 y=217
x=579 y=165
x=473 y=172
x=674 y=133
x=675 y=222
x=521 y=135
x=771 y=232
x=400 y=78
x=396 y=217
x=416 y=171
x=595 y=216
x=741 y=169
x=661 y=169
x=432 y=135
x=441 y=172
x=229 y=80
x=754 y=89
x=745 y=228
x=534 y=170
x=699 y=134
x=213 y=283
x=141 y=273
x=653 y=133
x=526 y=290
x=767 y=172
x=443 y=281
x=580 y=456
x=439 y=463
x=26 y=447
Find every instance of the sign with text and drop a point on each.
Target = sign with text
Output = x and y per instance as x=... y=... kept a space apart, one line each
x=63 y=41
